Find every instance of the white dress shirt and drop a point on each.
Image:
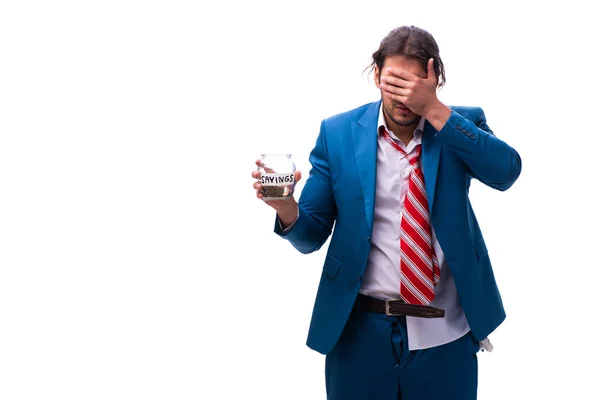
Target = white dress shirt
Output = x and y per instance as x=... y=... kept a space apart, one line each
x=382 y=276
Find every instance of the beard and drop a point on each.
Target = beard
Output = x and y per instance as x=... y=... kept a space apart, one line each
x=410 y=119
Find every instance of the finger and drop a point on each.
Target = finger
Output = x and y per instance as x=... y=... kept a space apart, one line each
x=257 y=185
x=256 y=174
x=401 y=99
x=259 y=163
x=396 y=90
x=298 y=176
x=400 y=73
x=430 y=70
x=259 y=195
x=390 y=80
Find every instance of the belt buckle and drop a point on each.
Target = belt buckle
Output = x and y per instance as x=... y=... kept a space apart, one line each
x=387 y=309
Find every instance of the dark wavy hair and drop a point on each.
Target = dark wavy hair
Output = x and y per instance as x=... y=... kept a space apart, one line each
x=410 y=42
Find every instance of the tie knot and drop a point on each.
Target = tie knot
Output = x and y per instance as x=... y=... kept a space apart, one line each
x=415 y=156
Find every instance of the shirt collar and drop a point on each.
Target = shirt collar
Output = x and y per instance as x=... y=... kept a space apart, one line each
x=418 y=133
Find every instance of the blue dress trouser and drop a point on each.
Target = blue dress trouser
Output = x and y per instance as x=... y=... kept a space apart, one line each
x=371 y=361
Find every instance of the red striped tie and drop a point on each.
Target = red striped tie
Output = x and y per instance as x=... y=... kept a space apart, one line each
x=419 y=268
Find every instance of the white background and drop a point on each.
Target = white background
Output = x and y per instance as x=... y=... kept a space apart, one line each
x=135 y=260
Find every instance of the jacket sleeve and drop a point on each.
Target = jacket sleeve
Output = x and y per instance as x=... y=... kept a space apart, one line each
x=317 y=209
x=489 y=159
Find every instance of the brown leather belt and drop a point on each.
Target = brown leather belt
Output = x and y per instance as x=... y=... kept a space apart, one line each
x=398 y=308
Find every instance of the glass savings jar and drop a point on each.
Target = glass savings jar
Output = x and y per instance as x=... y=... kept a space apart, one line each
x=277 y=176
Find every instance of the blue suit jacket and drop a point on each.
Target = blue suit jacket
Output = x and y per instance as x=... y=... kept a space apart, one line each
x=340 y=190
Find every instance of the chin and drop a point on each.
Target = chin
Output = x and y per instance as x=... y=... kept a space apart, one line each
x=405 y=120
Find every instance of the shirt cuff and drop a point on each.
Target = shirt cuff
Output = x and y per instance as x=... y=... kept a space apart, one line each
x=485 y=344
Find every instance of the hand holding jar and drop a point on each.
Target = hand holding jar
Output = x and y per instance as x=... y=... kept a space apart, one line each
x=277 y=177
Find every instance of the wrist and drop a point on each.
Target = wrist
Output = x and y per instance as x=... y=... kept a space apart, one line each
x=287 y=212
x=437 y=114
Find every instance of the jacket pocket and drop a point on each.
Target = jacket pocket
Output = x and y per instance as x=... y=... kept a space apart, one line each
x=331 y=267
x=480 y=249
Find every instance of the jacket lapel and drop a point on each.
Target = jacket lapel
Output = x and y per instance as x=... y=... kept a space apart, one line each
x=364 y=138
x=430 y=160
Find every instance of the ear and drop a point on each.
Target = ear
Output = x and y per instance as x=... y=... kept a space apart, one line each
x=376 y=75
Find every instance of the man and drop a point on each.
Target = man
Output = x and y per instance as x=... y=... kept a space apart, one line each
x=407 y=295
